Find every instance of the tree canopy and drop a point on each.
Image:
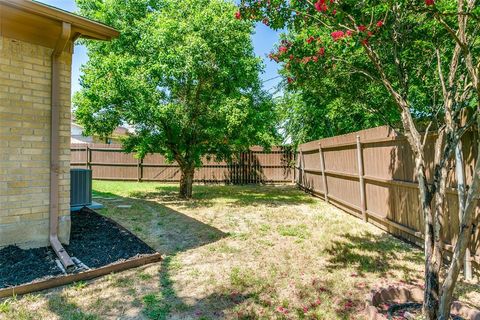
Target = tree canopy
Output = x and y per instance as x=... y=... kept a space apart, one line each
x=183 y=74
x=323 y=61
x=318 y=108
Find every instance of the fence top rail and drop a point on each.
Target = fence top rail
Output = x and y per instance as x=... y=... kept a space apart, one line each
x=352 y=144
x=368 y=134
x=367 y=137
x=118 y=148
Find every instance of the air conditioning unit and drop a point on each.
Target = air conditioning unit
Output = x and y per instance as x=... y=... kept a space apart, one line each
x=80 y=187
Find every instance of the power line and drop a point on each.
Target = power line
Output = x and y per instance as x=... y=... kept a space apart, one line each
x=271 y=79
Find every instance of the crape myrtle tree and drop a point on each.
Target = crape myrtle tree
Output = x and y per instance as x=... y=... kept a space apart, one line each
x=425 y=53
x=183 y=74
x=318 y=98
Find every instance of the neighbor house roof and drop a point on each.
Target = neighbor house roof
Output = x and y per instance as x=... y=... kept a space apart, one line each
x=41 y=24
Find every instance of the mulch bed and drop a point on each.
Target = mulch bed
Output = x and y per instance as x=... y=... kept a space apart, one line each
x=95 y=240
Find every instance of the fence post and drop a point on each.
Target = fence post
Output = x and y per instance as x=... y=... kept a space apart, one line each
x=244 y=168
x=295 y=166
x=292 y=172
x=322 y=168
x=300 y=169
x=89 y=157
x=86 y=156
x=139 y=169
x=361 y=181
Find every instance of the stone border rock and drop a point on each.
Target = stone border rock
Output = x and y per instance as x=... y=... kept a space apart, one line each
x=395 y=294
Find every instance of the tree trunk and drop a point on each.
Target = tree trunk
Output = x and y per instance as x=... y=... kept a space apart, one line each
x=460 y=174
x=436 y=223
x=186 y=182
x=432 y=287
x=463 y=240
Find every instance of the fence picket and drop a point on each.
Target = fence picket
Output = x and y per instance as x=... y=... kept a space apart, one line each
x=322 y=168
x=363 y=203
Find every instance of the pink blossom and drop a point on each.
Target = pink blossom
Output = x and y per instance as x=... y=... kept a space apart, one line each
x=361 y=28
x=282 y=310
x=306 y=60
x=337 y=35
x=320 y=6
x=273 y=57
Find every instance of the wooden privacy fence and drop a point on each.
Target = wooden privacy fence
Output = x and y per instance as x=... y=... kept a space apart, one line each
x=109 y=162
x=371 y=174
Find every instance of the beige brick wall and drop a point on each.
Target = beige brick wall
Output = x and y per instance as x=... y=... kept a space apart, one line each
x=25 y=73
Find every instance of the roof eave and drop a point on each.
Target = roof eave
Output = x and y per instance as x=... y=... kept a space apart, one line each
x=85 y=27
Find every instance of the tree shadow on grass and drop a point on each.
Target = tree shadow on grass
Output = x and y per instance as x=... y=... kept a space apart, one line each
x=169 y=232
x=465 y=288
x=165 y=229
x=161 y=304
x=172 y=232
x=369 y=253
x=67 y=310
x=231 y=196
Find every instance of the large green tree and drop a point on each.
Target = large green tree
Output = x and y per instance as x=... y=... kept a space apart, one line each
x=318 y=108
x=183 y=74
x=425 y=54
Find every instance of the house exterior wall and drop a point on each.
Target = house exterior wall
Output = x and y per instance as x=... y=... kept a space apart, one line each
x=25 y=115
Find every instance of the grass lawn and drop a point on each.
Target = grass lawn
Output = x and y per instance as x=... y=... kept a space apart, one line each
x=268 y=252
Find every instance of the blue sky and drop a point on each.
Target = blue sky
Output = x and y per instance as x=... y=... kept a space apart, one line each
x=263 y=41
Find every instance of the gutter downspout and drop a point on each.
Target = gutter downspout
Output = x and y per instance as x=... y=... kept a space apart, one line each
x=54 y=147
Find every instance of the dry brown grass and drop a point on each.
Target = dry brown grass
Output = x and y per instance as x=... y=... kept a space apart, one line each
x=267 y=252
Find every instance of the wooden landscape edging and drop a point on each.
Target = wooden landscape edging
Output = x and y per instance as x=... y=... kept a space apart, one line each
x=85 y=275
